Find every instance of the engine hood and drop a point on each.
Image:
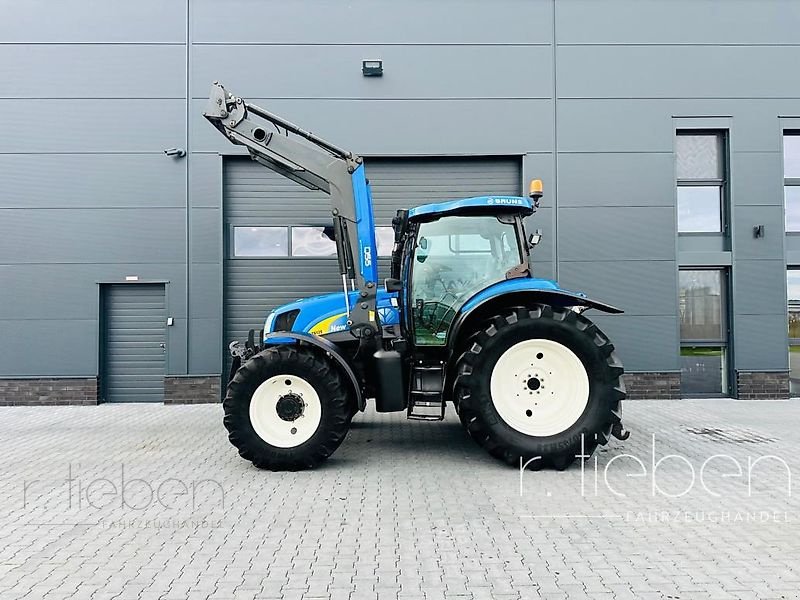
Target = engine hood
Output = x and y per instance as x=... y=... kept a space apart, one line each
x=327 y=313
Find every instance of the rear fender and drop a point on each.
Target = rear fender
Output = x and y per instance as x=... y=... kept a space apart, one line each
x=473 y=313
x=476 y=309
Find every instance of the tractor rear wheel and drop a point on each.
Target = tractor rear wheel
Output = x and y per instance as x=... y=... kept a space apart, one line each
x=287 y=409
x=539 y=386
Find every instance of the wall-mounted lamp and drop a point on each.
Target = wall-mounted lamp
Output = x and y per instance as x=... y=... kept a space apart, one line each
x=175 y=152
x=758 y=231
x=372 y=68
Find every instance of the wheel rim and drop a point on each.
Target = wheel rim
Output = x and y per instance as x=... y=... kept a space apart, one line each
x=285 y=411
x=539 y=387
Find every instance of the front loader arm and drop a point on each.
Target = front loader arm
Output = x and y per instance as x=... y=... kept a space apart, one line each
x=317 y=165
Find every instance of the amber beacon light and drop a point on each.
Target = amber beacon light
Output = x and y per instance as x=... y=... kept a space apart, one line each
x=536 y=189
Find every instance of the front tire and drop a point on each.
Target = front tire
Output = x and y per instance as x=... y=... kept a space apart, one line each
x=539 y=386
x=287 y=408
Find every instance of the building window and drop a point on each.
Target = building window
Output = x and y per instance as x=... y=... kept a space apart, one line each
x=313 y=241
x=791 y=179
x=700 y=167
x=793 y=311
x=257 y=242
x=704 y=333
x=297 y=241
x=385 y=238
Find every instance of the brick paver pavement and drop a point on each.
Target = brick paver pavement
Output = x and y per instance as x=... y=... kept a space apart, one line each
x=151 y=502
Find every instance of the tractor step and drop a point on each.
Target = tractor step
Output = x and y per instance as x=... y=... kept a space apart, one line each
x=425 y=399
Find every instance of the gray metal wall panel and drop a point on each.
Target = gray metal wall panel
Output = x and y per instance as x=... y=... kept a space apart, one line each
x=614 y=126
x=677 y=71
x=177 y=349
x=639 y=287
x=408 y=127
x=91 y=181
x=205 y=181
x=206 y=240
x=205 y=291
x=747 y=246
x=677 y=21
x=115 y=235
x=644 y=343
x=62 y=348
x=761 y=343
x=92 y=71
x=759 y=287
x=205 y=350
x=757 y=178
x=648 y=125
x=21 y=294
x=616 y=233
x=133 y=335
x=71 y=126
x=365 y=22
x=429 y=71
x=78 y=21
x=616 y=179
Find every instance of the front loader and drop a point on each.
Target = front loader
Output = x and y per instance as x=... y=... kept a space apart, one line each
x=460 y=320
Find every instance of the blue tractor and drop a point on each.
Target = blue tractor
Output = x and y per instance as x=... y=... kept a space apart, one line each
x=460 y=319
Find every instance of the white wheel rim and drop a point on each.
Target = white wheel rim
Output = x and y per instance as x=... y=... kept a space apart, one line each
x=266 y=421
x=539 y=387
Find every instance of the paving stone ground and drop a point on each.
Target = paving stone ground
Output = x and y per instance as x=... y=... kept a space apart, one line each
x=151 y=502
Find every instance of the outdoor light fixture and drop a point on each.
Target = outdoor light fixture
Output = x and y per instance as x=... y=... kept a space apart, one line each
x=372 y=68
x=758 y=231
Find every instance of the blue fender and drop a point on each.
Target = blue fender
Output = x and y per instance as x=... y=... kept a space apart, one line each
x=282 y=337
x=531 y=289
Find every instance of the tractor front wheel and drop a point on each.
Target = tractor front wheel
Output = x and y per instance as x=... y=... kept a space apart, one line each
x=287 y=409
x=541 y=385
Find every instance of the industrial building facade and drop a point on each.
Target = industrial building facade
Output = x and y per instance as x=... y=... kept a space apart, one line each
x=665 y=132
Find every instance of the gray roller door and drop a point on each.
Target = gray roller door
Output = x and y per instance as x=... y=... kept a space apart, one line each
x=133 y=354
x=256 y=197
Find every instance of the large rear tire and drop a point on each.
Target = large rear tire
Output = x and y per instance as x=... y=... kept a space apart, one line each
x=539 y=386
x=287 y=409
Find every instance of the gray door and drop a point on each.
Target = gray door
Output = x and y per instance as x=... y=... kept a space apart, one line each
x=256 y=198
x=133 y=355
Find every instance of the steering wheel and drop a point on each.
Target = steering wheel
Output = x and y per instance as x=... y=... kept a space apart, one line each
x=434 y=275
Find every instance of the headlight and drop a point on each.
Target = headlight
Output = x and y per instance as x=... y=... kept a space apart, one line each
x=285 y=320
x=268 y=323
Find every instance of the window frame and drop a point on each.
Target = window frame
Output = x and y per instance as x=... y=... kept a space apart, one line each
x=722 y=183
x=723 y=342
x=793 y=182
x=791 y=342
x=231 y=243
x=306 y=256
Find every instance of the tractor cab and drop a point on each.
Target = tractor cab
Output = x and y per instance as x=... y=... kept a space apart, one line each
x=454 y=250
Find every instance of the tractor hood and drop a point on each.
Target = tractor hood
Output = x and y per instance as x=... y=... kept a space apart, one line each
x=327 y=313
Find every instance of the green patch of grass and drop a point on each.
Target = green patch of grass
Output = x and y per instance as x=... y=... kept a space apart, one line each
x=700 y=351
